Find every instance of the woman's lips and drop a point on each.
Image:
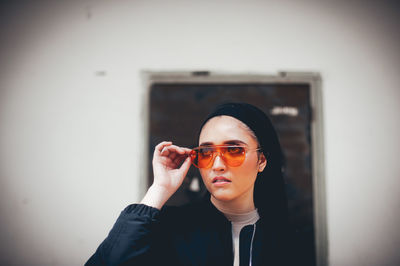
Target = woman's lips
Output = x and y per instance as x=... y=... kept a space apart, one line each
x=220 y=180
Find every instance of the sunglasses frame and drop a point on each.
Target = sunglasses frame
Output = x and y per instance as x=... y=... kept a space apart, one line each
x=217 y=152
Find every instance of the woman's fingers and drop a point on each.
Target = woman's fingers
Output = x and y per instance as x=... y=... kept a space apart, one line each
x=167 y=149
x=169 y=155
x=177 y=149
x=159 y=148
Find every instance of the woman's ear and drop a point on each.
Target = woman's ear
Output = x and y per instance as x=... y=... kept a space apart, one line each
x=262 y=163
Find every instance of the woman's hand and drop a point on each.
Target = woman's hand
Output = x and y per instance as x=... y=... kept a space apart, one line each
x=170 y=166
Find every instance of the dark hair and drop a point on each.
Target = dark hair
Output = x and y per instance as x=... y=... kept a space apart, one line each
x=269 y=189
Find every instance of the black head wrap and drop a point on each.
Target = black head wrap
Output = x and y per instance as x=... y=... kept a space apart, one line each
x=269 y=189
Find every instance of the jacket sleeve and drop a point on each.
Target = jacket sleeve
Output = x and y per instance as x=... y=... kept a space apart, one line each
x=130 y=239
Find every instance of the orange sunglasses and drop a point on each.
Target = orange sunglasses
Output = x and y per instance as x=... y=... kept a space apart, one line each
x=203 y=156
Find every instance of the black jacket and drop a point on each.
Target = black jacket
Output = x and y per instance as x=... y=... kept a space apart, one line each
x=195 y=234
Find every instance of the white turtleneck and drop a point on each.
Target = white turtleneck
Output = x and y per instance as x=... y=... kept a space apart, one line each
x=239 y=220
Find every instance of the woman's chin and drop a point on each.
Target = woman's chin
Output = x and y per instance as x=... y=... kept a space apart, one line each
x=222 y=196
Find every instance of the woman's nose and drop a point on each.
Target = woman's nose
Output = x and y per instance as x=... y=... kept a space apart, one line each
x=218 y=164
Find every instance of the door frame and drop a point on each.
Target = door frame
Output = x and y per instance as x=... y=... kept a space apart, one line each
x=317 y=137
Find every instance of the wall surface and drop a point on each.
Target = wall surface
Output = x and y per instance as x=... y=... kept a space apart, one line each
x=71 y=102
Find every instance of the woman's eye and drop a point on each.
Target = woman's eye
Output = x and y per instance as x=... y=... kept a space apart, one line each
x=235 y=150
x=206 y=151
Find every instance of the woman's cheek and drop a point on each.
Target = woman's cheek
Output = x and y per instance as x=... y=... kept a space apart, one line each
x=206 y=179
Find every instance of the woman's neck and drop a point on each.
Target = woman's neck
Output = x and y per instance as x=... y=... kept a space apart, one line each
x=236 y=206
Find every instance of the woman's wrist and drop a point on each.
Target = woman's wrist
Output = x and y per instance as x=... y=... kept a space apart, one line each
x=156 y=197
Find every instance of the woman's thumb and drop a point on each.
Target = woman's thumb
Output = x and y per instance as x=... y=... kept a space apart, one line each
x=185 y=165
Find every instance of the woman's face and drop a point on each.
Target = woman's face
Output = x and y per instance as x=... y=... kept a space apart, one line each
x=238 y=181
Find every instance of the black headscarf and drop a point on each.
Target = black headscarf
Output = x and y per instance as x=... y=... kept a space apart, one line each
x=269 y=190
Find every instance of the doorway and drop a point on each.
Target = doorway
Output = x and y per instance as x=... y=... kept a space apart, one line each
x=179 y=102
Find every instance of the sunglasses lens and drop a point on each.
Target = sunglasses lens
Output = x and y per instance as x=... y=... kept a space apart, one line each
x=201 y=158
x=232 y=155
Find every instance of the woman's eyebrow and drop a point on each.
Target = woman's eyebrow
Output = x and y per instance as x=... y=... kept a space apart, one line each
x=227 y=142
x=206 y=144
x=235 y=142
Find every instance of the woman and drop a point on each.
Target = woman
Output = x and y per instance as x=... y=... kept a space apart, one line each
x=243 y=219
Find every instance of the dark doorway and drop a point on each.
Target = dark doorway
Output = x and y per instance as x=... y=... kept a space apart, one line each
x=177 y=108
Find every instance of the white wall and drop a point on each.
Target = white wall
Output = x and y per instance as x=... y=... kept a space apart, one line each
x=71 y=101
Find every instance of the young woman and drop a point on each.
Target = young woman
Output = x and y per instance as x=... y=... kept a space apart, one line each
x=243 y=219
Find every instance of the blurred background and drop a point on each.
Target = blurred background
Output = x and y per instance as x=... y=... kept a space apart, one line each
x=73 y=126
